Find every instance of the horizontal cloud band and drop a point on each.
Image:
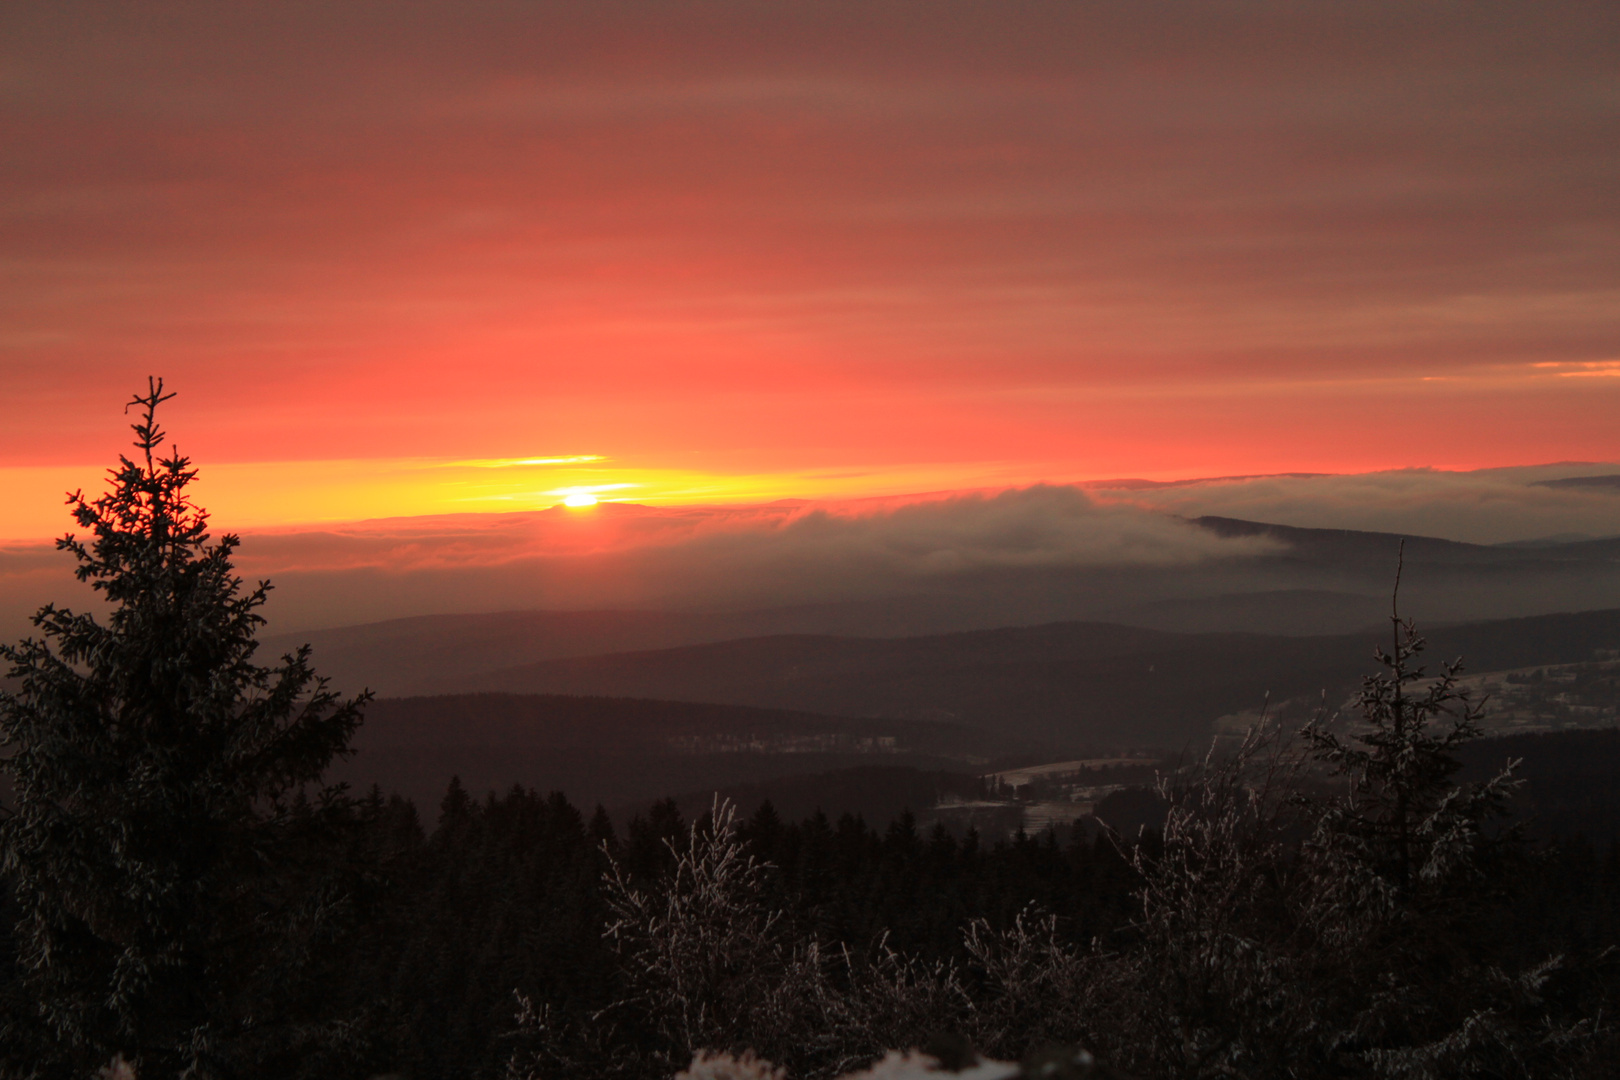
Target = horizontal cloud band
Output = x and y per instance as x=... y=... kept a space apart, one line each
x=795 y=552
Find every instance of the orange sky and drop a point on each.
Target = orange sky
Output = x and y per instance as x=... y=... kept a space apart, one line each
x=754 y=251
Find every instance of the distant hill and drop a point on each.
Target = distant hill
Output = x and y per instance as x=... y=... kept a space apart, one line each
x=1345 y=546
x=1321 y=581
x=430 y=654
x=1074 y=685
x=616 y=750
x=419 y=655
x=1017 y=696
x=1291 y=612
x=1601 y=483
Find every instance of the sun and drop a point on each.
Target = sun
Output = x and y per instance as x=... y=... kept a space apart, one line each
x=585 y=494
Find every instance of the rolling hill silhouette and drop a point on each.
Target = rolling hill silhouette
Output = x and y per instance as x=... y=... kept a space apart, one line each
x=1322 y=581
x=1074 y=685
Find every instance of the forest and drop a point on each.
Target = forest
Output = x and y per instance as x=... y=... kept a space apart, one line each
x=187 y=894
x=447 y=934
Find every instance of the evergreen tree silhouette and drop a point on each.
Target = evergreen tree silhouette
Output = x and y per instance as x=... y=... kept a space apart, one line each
x=165 y=849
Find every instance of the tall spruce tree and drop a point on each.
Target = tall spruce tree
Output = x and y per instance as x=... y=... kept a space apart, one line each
x=166 y=847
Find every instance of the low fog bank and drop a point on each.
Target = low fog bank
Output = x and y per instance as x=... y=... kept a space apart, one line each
x=690 y=558
x=953 y=561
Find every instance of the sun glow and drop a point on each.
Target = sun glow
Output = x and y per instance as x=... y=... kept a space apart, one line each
x=580 y=498
x=512 y=463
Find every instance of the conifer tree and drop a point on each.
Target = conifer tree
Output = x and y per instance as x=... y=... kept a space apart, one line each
x=165 y=843
x=1407 y=819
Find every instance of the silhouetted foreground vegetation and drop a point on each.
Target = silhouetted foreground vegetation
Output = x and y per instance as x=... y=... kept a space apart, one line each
x=181 y=892
x=1224 y=947
x=1016 y=944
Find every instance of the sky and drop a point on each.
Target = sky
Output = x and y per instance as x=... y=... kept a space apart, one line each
x=432 y=258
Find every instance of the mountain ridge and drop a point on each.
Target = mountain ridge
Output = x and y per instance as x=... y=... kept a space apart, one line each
x=1067 y=683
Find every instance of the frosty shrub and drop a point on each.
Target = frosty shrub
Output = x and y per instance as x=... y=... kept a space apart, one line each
x=894 y=1000
x=705 y=967
x=1319 y=906
x=1035 y=989
x=1209 y=987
